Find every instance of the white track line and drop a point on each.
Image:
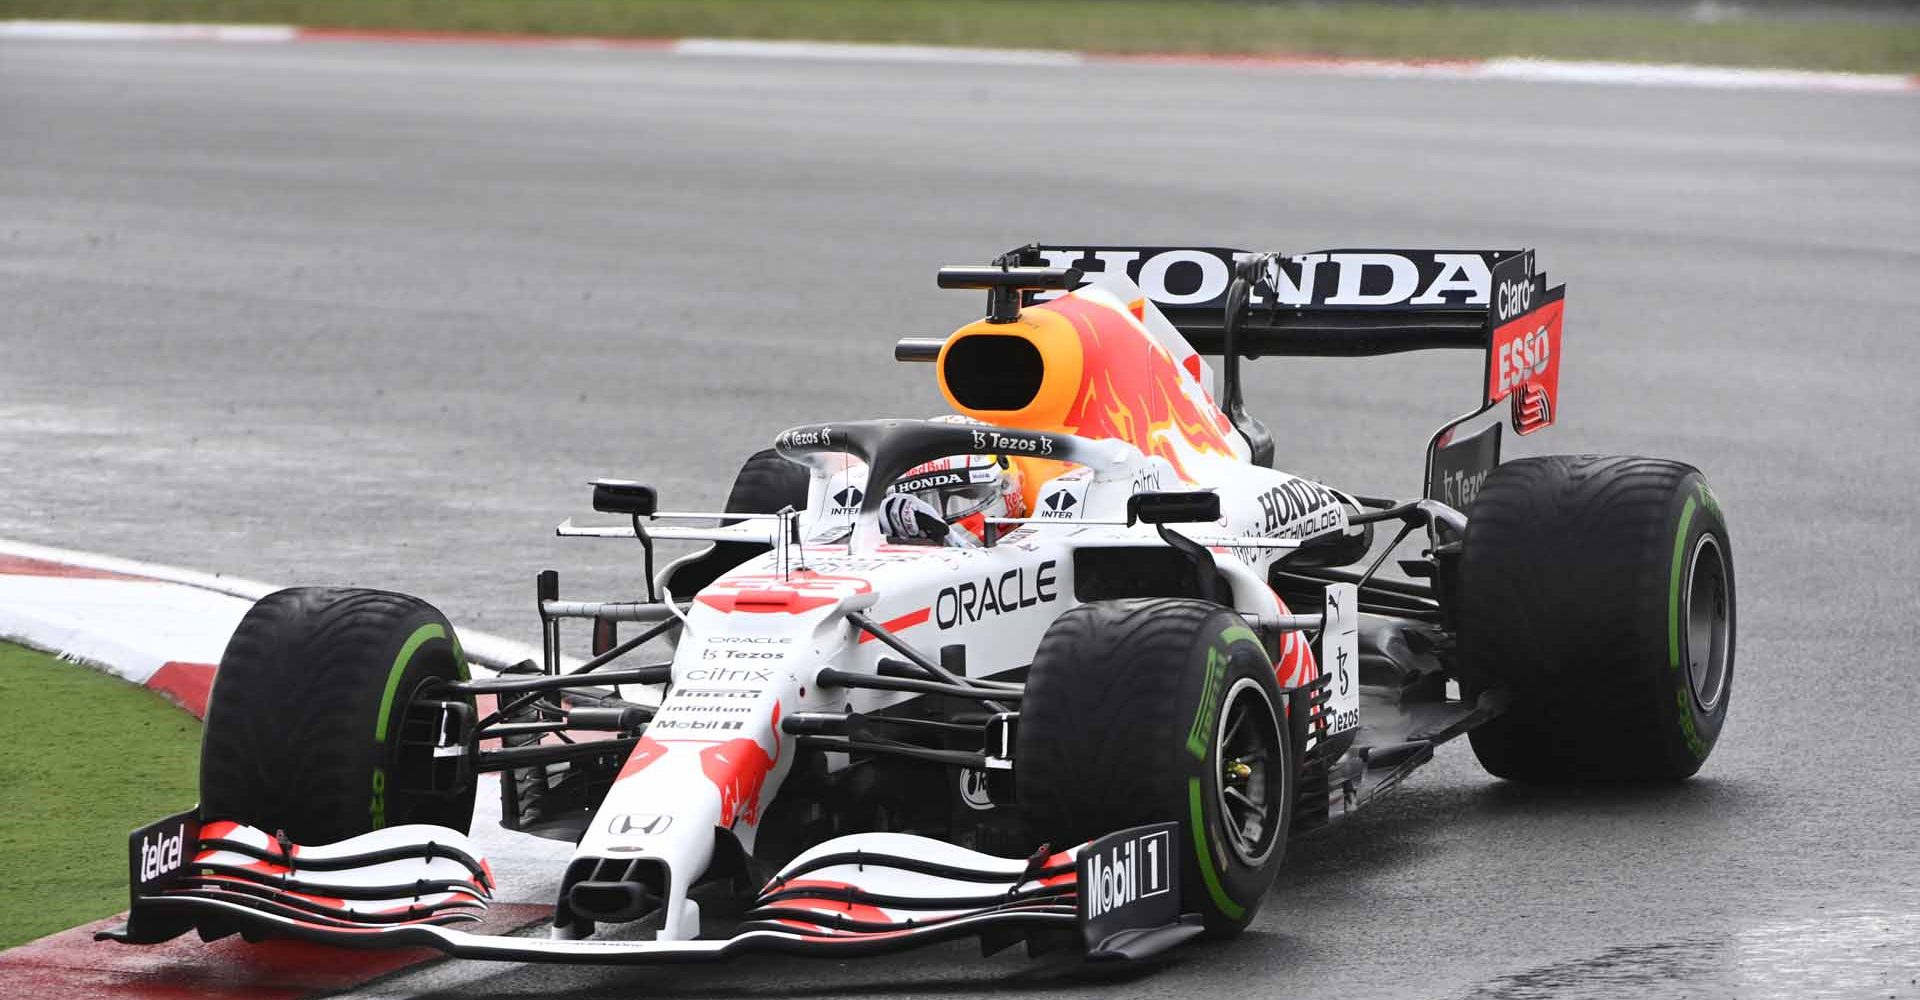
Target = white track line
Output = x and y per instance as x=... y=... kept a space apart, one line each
x=134 y=31
x=1530 y=70
x=871 y=52
x=1676 y=75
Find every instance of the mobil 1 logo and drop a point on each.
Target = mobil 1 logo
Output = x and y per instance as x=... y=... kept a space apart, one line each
x=1128 y=881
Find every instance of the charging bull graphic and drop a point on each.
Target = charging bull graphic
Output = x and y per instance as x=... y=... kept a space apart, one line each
x=738 y=768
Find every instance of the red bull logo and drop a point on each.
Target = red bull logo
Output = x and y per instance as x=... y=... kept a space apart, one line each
x=739 y=768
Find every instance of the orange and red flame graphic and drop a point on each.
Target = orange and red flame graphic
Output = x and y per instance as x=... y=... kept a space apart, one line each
x=1131 y=390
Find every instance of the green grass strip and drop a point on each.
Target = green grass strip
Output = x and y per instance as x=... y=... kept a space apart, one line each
x=419 y=638
x=90 y=757
x=1197 y=816
x=1362 y=29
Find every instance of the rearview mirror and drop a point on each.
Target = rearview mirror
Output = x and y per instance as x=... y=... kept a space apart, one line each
x=624 y=496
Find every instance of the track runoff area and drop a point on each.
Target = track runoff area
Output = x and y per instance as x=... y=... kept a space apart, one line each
x=1518 y=69
x=164 y=629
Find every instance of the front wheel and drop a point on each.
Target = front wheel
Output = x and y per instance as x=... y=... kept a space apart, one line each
x=1146 y=711
x=312 y=727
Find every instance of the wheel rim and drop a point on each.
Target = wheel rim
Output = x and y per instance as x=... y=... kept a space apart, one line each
x=1708 y=623
x=1252 y=779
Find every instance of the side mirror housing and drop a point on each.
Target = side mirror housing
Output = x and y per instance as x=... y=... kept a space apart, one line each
x=1174 y=508
x=624 y=496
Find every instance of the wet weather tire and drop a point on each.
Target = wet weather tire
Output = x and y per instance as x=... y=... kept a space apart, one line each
x=1599 y=591
x=304 y=722
x=1145 y=711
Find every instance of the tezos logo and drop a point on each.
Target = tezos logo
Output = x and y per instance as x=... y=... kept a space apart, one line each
x=739 y=654
x=1459 y=487
x=800 y=439
x=161 y=854
x=1011 y=444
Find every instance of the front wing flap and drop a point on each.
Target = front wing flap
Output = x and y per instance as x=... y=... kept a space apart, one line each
x=860 y=894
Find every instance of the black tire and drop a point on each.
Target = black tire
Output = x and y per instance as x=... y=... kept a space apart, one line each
x=765 y=484
x=1126 y=707
x=304 y=721
x=1589 y=588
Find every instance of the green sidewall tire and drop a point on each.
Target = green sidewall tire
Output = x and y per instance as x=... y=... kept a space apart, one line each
x=1120 y=695
x=1572 y=591
x=304 y=720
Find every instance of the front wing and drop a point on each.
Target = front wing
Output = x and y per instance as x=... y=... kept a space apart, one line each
x=1116 y=897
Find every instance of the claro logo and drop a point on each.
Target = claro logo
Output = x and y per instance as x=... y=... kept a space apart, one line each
x=1513 y=298
x=995 y=596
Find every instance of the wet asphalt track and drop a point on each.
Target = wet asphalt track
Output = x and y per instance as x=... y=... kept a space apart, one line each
x=373 y=314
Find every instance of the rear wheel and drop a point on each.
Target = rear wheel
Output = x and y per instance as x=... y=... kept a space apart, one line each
x=1145 y=711
x=311 y=726
x=1600 y=592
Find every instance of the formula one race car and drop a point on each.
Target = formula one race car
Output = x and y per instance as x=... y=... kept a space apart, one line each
x=1066 y=667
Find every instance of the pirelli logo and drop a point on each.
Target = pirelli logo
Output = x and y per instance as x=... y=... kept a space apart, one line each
x=1199 y=738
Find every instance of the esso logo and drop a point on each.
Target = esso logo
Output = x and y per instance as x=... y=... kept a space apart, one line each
x=1523 y=357
x=1515 y=297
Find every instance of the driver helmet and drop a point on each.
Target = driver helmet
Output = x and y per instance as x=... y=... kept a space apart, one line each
x=967 y=489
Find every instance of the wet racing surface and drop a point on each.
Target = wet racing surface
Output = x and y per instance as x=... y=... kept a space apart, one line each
x=374 y=314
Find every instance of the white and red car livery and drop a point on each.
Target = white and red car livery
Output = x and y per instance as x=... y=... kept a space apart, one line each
x=804 y=726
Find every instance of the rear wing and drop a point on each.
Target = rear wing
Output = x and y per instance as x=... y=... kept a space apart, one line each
x=1347 y=303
